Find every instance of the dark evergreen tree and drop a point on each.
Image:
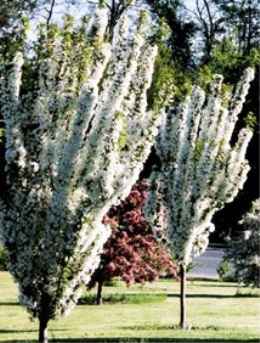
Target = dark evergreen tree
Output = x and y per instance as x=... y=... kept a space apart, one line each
x=243 y=251
x=181 y=31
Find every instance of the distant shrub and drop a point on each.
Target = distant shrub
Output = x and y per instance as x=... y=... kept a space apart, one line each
x=243 y=252
x=114 y=282
x=225 y=272
x=90 y=299
x=242 y=293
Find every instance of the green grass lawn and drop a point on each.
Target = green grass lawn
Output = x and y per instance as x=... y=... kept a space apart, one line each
x=215 y=314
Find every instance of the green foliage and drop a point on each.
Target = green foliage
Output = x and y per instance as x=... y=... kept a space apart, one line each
x=226 y=94
x=162 y=80
x=171 y=77
x=123 y=134
x=253 y=58
x=169 y=81
x=226 y=59
x=67 y=33
x=247 y=293
x=45 y=47
x=114 y=282
x=198 y=149
x=225 y=272
x=2 y=259
x=1 y=135
x=180 y=32
x=204 y=77
x=163 y=31
x=102 y=3
x=241 y=20
x=14 y=40
x=221 y=150
x=250 y=121
x=70 y=36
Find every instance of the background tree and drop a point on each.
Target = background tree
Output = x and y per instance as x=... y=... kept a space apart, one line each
x=12 y=10
x=231 y=51
x=200 y=170
x=77 y=133
x=228 y=59
x=242 y=20
x=233 y=23
x=243 y=251
x=210 y=25
x=115 y=9
x=181 y=32
x=131 y=252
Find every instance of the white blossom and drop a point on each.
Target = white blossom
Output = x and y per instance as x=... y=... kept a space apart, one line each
x=73 y=149
x=200 y=169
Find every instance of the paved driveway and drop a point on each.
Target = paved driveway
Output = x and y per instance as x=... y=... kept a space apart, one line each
x=207 y=263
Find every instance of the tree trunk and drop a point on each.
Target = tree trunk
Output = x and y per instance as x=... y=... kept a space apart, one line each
x=183 y=323
x=99 y=300
x=44 y=318
x=43 y=330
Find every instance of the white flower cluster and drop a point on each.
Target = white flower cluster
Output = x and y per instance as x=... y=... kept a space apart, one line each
x=200 y=169
x=72 y=151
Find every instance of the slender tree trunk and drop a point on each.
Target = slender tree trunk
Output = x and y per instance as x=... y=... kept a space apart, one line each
x=43 y=330
x=183 y=323
x=44 y=319
x=99 y=300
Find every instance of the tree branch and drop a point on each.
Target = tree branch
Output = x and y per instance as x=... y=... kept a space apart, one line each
x=50 y=13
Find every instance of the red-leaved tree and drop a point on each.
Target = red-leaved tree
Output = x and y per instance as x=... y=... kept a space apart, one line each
x=131 y=252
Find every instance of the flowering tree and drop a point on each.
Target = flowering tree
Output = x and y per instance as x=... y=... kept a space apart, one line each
x=131 y=252
x=243 y=252
x=200 y=170
x=77 y=133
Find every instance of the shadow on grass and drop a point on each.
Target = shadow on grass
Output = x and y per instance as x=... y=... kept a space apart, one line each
x=212 y=285
x=215 y=296
x=6 y=303
x=126 y=298
x=142 y=340
x=16 y=331
x=8 y=331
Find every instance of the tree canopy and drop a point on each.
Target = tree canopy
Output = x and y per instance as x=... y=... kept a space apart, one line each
x=201 y=169
x=77 y=132
x=131 y=251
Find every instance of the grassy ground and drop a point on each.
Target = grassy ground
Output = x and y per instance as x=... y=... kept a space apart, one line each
x=215 y=314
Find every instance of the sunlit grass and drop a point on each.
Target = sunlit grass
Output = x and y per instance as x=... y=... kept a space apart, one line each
x=215 y=313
